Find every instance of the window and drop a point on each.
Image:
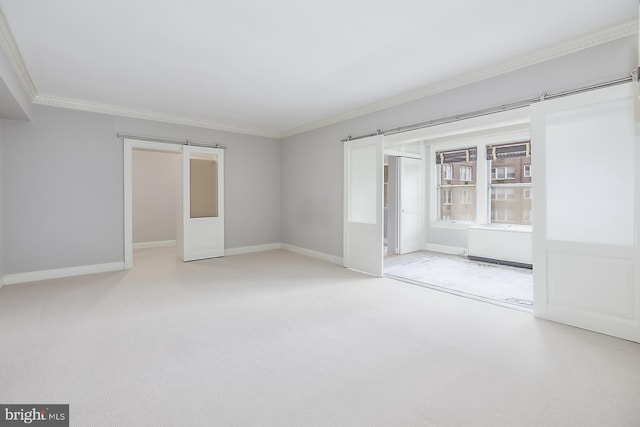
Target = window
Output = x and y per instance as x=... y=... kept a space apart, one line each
x=503 y=172
x=503 y=193
x=456 y=194
x=465 y=173
x=503 y=215
x=447 y=196
x=510 y=191
x=447 y=172
x=466 y=196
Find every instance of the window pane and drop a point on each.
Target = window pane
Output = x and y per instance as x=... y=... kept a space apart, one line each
x=511 y=205
x=458 y=204
x=203 y=193
x=457 y=191
x=510 y=190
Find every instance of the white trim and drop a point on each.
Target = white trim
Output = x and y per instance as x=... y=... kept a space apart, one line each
x=127 y=155
x=505 y=227
x=313 y=254
x=464 y=133
x=158 y=244
x=155 y=146
x=472 y=76
x=9 y=47
x=451 y=224
x=251 y=249
x=12 y=279
x=451 y=250
x=114 y=110
x=400 y=153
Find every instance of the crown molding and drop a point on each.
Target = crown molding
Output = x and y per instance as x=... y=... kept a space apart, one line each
x=10 y=49
x=73 y=104
x=561 y=49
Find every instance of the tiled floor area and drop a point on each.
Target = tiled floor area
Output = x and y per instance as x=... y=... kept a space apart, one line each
x=504 y=285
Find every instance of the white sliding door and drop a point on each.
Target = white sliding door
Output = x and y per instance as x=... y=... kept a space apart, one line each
x=586 y=258
x=409 y=216
x=201 y=212
x=363 y=204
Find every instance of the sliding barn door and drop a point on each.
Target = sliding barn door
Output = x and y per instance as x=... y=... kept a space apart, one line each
x=363 y=204
x=585 y=186
x=201 y=212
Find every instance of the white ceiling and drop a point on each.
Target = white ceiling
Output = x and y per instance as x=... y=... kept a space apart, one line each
x=271 y=67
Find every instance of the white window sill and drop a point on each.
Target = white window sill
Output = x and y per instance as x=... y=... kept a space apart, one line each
x=455 y=225
x=504 y=227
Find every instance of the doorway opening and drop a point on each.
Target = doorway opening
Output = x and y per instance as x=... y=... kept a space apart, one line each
x=155 y=181
x=197 y=210
x=468 y=241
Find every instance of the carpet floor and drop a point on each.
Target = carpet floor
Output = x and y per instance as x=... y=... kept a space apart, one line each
x=500 y=283
x=279 y=339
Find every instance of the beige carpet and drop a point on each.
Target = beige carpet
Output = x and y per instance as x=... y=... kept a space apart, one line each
x=277 y=339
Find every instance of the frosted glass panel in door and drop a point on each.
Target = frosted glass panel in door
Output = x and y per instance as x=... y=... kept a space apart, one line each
x=590 y=166
x=204 y=188
x=363 y=184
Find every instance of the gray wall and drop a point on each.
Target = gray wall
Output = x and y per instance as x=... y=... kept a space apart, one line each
x=155 y=184
x=63 y=195
x=63 y=203
x=312 y=176
x=251 y=174
x=62 y=185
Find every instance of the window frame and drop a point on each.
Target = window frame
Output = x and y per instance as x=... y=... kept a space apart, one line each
x=448 y=172
x=447 y=196
x=506 y=168
x=468 y=173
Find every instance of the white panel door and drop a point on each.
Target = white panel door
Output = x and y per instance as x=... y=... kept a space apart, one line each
x=201 y=217
x=363 y=205
x=409 y=218
x=585 y=234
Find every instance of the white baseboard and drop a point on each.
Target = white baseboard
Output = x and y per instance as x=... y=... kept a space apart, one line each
x=452 y=250
x=252 y=249
x=159 y=244
x=312 y=254
x=286 y=247
x=12 y=279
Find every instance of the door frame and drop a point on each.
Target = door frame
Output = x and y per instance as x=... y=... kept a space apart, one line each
x=129 y=145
